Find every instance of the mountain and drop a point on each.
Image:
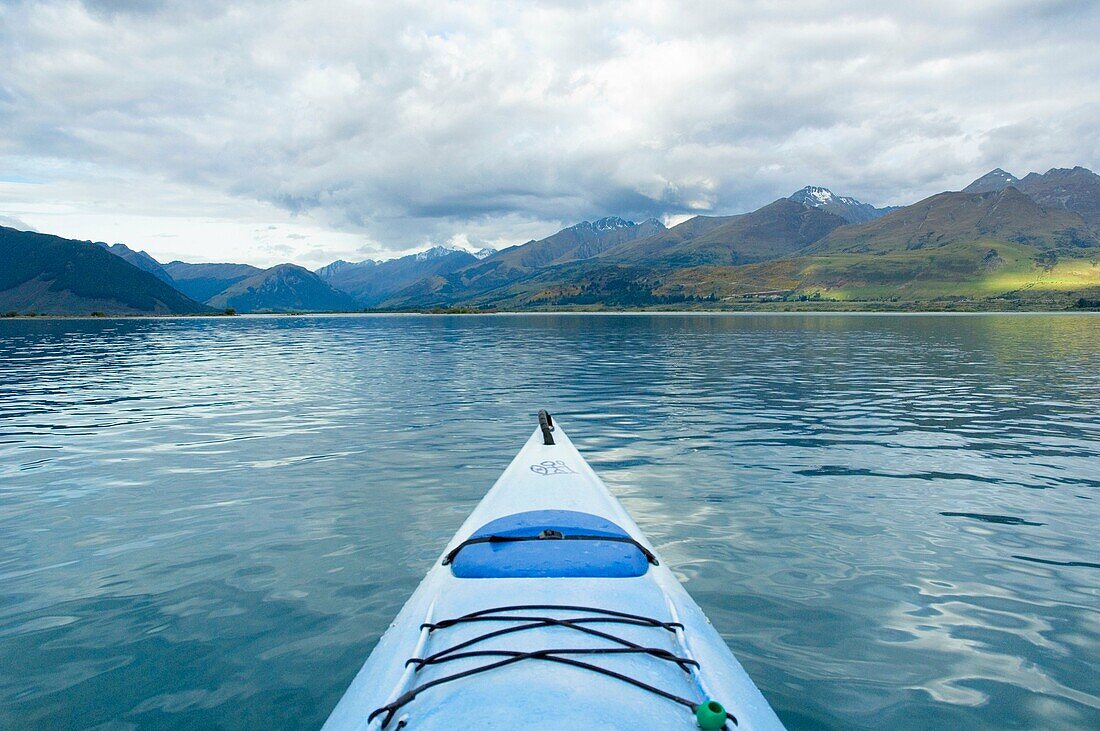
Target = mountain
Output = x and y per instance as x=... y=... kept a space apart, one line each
x=948 y=247
x=996 y=246
x=520 y=276
x=849 y=209
x=329 y=271
x=1006 y=215
x=141 y=260
x=200 y=282
x=371 y=282
x=776 y=230
x=51 y=275
x=579 y=242
x=995 y=179
x=1032 y=243
x=283 y=288
x=203 y=281
x=1074 y=189
x=439 y=252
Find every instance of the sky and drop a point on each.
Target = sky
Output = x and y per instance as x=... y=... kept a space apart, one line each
x=265 y=132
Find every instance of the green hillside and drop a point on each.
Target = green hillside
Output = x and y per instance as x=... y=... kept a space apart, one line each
x=978 y=270
x=982 y=274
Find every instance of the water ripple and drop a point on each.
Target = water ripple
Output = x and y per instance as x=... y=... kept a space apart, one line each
x=890 y=518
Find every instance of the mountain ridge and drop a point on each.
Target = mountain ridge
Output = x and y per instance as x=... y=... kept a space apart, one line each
x=995 y=179
x=203 y=281
x=1075 y=189
x=1038 y=232
x=580 y=241
x=141 y=260
x=953 y=217
x=283 y=288
x=782 y=227
x=850 y=209
x=51 y=275
x=997 y=243
x=369 y=282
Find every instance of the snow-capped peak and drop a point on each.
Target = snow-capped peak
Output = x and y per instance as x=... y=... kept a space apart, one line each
x=607 y=223
x=813 y=195
x=610 y=223
x=850 y=209
x=437 y=251
x=446 y=250
x=331 y=270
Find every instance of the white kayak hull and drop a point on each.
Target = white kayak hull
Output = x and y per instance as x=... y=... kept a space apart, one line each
x=556 y=687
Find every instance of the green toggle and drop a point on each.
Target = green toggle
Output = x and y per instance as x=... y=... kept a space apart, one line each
x=710 y=715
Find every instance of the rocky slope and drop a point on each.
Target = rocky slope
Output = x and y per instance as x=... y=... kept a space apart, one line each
x=850 y=209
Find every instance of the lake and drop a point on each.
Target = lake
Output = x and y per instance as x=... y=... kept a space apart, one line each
x=893 y=520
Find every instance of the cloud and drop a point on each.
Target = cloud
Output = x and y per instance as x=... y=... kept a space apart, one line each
x=393 y=125
x=13 y=222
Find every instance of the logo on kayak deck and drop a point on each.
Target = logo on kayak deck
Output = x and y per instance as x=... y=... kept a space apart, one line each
x=552 y=467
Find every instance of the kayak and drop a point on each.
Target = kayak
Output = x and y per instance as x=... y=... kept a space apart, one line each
x=550 y=609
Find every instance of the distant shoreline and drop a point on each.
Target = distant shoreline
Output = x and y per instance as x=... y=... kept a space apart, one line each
x=761 y=310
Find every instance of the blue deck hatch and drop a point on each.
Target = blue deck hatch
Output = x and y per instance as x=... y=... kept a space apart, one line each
x=550 y=558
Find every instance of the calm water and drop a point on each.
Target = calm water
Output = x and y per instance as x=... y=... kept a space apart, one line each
x=893 y=520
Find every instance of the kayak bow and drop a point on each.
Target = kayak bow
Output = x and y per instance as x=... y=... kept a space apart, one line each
x=550 y=609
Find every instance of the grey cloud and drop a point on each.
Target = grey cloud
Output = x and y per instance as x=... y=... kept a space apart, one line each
x=280 y=249
x=409 y=123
